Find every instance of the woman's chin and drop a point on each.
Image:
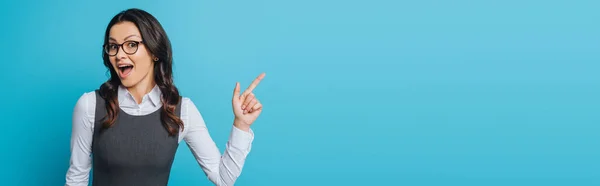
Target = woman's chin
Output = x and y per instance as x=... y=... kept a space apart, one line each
x=127 y=83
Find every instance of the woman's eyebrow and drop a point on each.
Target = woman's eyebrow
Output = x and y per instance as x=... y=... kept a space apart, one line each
x=113 y=39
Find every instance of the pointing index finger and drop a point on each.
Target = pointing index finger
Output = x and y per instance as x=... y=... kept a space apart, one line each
x=255 y=83
x=236 y=90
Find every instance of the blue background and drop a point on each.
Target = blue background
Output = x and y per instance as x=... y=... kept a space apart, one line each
x=376 y=92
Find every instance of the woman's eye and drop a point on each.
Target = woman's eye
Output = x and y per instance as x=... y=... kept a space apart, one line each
x=112 y=46
x=132 y=44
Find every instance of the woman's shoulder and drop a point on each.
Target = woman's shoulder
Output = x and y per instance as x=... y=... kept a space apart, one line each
x=185 y=103
x=188 y=106
x=185 y=100
x=86 y=103
x=88 y=96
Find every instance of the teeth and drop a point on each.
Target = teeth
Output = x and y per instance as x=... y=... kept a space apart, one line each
x=122 y=67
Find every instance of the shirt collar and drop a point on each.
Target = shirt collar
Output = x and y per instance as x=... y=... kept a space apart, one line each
x=154 y=96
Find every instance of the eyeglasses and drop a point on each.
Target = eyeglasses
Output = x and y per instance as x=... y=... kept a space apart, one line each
x=129 y=47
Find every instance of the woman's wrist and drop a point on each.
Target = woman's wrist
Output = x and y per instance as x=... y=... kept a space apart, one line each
x=238 y=124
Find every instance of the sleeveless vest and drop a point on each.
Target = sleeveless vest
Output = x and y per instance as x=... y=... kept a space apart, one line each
x=135 y=150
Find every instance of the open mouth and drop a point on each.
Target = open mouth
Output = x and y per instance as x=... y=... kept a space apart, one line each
x=125 y=70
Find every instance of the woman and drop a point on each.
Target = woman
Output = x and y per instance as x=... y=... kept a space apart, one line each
x=129 y=129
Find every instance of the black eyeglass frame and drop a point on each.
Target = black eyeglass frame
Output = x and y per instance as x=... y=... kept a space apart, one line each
x=120 y=46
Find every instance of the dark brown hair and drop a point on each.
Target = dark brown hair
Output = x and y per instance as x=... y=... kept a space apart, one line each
x=158 y=44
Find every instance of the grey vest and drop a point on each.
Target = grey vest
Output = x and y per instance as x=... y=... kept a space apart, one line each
x=135 y=150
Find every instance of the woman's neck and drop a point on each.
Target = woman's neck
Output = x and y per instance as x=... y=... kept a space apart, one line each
x=142 y=88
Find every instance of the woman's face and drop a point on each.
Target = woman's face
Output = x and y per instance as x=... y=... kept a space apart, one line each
x=133 y=66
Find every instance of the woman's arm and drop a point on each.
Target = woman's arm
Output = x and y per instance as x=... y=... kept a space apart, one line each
x=224 y=169
x=81 y=140
x=221 y=169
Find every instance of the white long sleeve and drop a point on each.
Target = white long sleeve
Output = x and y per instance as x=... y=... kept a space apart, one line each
x=220 y=169
x=81 y=140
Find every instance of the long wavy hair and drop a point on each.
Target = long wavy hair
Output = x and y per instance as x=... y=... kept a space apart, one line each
x=156 y=41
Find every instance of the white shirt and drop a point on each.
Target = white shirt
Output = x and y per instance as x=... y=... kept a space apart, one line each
x=220 y=169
